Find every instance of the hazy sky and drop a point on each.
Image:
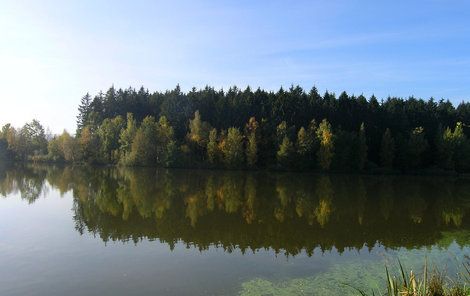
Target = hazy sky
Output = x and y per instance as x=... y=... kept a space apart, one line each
x=53 y=52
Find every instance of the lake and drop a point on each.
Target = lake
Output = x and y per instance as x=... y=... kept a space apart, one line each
x=121 y=231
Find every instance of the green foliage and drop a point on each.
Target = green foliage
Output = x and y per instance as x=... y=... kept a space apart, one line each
x=417 y=145
x=337 y=143
x=326 y=141
x=361 y=148
x=212 y=147
x=286 y=153
x=232 y=148
x=166 y=145
x=198 y=134
x=126 y=137
x=32 y=140
x=251 y=132
x=387 y=150
x=109 y=133
x=83 y=113
x=144 y=146
x=281 y=132
x=4 y=153
x=452 y=148
x=89 y=145
x=63 y=148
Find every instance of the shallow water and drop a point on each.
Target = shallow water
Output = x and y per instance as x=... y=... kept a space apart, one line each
x=109 y=231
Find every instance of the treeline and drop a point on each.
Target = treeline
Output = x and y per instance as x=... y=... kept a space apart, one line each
x=288 y=129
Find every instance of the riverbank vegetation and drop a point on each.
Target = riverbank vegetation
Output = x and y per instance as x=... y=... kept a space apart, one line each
x=245 y=129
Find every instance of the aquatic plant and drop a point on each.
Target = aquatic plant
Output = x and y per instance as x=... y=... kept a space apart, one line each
x=434 y=284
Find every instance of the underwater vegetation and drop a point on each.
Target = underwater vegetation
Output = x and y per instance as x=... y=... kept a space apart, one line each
x=435 y=276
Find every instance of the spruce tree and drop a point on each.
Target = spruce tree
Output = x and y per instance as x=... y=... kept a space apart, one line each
x=83 y=112
x=387 y=149
x=361 y=148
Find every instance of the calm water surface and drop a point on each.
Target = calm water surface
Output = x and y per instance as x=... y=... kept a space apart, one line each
x=108 y=231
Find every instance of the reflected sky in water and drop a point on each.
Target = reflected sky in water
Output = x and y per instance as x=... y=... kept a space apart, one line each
x=115 y=231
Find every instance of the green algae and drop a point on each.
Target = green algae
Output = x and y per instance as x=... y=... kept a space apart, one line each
x=366 y=275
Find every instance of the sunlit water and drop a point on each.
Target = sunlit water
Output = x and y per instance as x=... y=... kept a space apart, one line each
x=107 y=231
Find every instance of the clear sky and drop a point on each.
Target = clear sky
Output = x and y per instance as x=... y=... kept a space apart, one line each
x=53 y=52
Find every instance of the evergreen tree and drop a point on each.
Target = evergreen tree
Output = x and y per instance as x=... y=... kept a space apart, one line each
x=441 y=155
x=4 y=153
x=417 y=145
x=83 y=113
x=361 y=148
x=387 y=150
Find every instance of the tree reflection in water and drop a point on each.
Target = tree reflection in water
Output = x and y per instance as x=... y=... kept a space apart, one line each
x=252 y=210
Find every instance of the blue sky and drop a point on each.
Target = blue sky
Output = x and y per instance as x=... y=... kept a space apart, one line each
x=53 y=52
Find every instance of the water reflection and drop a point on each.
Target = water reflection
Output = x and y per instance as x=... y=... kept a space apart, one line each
x=289 y=213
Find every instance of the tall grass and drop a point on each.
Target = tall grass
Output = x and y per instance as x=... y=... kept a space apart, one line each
x=433 y=283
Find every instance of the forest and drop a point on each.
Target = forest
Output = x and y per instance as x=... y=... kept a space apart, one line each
x=291 y=129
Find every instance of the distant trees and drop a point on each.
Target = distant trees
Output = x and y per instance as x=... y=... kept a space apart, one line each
x=144 y=146
x=387 y=150
x=254 y=129
x=126 y=137
x=63 y=148
x=108 y=133
x=212 y=147
x=325 y=138
x=89 y=145
x=361 y=148
x=285 y=154
x=4 y=153
x=84 y=110
x=417 y=145
x=252 y=135
x=232 y=148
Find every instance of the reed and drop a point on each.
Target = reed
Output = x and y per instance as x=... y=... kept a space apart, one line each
x=434 y=283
